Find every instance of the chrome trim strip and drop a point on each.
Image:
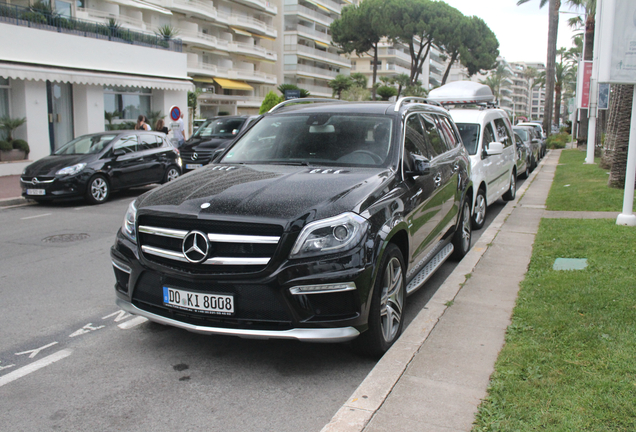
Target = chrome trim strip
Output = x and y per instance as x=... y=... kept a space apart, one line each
x=164 y=232
x=297 y=290
x=236 y=261
x=121 y=266
x=237 y=238
x=340 y=334
x=39 y=182
x=177 y=256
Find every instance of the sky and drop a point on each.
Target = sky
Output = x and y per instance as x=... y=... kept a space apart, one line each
x=522 y=31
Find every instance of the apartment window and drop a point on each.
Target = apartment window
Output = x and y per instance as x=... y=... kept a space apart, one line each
x=535 y=102
x=534 y=110
x=129 y=101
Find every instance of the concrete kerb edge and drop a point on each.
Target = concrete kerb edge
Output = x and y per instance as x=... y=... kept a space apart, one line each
x=367 y=399
x=14 y=202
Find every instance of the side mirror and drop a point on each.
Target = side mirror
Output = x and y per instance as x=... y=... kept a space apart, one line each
x=420 y=166
x=494 y=148
x=118 y=152
x=535 y=141
x=216 y=156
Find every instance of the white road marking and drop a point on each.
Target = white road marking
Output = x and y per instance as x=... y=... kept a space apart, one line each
x=38 y=364
x=86 y=329
x=132 y=323
x=121 y=315
x=6 y=367
x=80 y=208
x=36 y=216
x=36 y=351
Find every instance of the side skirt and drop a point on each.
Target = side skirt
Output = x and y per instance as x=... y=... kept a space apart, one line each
x=428 y=270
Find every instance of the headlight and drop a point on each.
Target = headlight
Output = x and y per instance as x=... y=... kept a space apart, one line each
x=128 y=227
x=73 y=169
x=336 y=234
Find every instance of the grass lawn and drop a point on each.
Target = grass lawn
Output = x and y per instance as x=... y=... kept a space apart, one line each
x=579 y=187
x=569 y=362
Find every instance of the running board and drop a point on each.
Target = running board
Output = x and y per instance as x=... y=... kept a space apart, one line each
x=429 y=269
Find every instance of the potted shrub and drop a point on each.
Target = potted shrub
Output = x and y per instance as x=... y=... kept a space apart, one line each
x=9 y=152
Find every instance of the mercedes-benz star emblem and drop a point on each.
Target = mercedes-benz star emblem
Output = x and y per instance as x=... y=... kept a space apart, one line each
x=195 y=156
x=195 y=247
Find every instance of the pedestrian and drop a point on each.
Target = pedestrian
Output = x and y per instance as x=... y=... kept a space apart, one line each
x=141 y=123
x=179 y=132
x=160 y=126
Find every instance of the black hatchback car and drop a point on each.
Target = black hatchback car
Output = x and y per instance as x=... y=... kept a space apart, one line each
x=210 y=138
x=91 y=166
x=314 y=225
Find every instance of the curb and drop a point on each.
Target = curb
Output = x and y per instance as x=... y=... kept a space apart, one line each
x=367 y=399
x=12 y=202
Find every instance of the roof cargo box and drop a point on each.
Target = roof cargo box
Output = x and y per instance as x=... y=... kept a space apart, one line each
x=461 y=92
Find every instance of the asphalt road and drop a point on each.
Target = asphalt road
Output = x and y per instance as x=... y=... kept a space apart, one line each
x=70 y=360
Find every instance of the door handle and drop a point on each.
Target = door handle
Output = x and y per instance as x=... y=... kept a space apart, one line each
x=438 y=179
x=455 y=167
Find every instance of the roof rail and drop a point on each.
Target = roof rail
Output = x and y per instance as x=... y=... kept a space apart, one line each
x=301 y=100
x=416 y=99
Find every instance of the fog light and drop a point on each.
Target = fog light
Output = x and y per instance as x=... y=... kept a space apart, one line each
x=323 y=288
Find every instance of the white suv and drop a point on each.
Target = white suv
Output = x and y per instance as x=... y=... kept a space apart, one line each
x=487 y=135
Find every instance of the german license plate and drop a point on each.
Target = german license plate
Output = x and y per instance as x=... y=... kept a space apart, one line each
x=35 y=191
x=193 y=166
x=217 y=304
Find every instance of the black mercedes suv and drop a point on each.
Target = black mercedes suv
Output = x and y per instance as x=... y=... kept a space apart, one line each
x=314 y=225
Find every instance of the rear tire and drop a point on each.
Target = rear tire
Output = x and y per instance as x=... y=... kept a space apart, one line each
x=512 y=190
x=526 y=173
x=98 y=190
x=463 y=234
x=172 y=173
x=387 y=306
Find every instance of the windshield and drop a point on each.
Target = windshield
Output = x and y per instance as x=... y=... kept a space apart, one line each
x=470 y=136
x=87 y=144
x=522 y=133
x=219 y=128
x=338 y=139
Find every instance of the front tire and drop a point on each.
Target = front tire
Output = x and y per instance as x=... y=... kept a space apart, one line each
x=387 y=306
x=98 y=190
x=463 y=234
x=479 y=215
x=512 y=190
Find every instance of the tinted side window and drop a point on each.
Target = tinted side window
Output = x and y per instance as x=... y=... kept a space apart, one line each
x=435 y=137
x=414 y=142
x=502 y=131
x=148 y=141
x=489 y=136
x=449 y=131
x=128 y=144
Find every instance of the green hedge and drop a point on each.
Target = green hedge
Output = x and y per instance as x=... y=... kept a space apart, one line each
x=21 y=145
x=5 y=145
x=558 y=141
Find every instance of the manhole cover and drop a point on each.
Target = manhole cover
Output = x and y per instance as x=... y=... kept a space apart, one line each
x=65 y=238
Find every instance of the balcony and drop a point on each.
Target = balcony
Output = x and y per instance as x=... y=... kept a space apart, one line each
x=248 y=23
x=315 y=90
x=331 y=5
x=309 y=14
x=261 y=5
x=310 y=33
x=200 y=68
x=316 y=54
x=311 y=71
x=248 y=75
x=254 y=50
x=390 y=52
x=97 y=15
x=197 y=8
x=24 y=17
x=200 y=39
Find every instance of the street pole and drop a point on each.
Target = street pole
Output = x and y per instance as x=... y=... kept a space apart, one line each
x=593 y=109
x=627 y=217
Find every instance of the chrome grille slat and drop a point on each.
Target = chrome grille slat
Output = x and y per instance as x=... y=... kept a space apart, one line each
x=232 y=238
x=164 y=232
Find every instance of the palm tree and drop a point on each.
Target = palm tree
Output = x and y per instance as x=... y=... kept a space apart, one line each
x=495 y=79
x=9 y=124
x=553 y=28
x=340 y=83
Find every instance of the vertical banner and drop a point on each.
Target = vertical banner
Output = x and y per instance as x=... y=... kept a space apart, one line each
x=585 y=74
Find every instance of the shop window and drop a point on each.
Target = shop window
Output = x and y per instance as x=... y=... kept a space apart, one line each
x=129 y=101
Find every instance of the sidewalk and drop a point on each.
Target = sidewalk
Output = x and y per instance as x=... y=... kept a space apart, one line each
x=10 y=191
x=435 y=376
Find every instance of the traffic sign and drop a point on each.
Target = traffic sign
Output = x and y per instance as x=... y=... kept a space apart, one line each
x=175 y=113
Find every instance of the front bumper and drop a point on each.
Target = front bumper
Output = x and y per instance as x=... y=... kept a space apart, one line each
x=48 y=189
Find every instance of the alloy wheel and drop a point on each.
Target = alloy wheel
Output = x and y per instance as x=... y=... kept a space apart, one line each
x=480 y=209
x=392 y=300
x=99 y=189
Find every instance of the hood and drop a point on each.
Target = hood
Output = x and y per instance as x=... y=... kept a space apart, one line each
x=206 y=143
x=49 y=165
x=277 y=193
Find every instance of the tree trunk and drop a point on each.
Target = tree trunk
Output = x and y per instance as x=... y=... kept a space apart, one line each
x=588 y=54
x=375 y=70
x=610 y=137
x=557 y=105
x=551 y=64
x=621 y=137
x=450 y=64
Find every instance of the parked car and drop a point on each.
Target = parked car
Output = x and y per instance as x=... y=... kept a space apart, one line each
x=523 y=157
x=92 y=166
x=531 y=140
x=211 y=138
x=314 y=225
x=487 y=135
x=540 y=135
